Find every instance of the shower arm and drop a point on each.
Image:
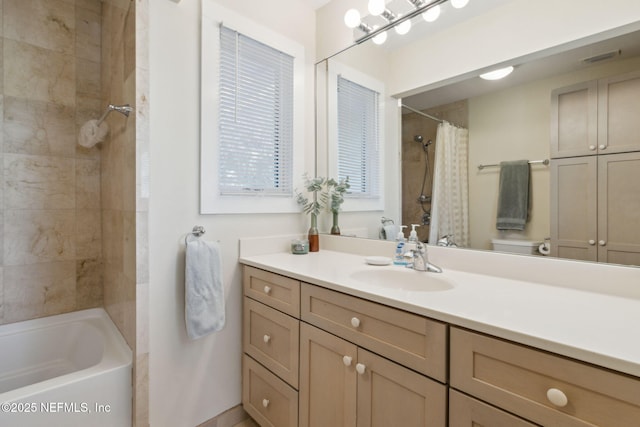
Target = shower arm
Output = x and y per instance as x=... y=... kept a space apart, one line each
x=122 y=109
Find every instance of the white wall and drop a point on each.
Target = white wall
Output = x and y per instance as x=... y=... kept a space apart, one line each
x=192 y=381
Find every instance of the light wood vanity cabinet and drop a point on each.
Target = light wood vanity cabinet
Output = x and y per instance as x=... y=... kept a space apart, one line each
x=541 y=387
x=271 y=331
x=330 y=359
x=345 y=385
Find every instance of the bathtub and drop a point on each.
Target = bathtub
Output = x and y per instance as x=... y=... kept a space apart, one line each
x=67 y=370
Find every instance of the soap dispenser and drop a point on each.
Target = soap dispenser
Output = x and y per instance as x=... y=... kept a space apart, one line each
x=398 y=256
x=413 y=236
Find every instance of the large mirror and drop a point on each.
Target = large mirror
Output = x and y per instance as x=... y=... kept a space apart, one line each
x=508 y=119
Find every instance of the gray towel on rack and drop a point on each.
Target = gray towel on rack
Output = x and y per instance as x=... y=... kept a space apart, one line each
x=513 y=195
x=204 y=290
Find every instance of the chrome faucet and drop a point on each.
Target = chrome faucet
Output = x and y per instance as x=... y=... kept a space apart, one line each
x=419 y=259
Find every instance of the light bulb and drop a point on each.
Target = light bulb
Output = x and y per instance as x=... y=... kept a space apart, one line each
x=376 y=7
x=403 y=27
x=352 y=18
x=497 y=74
x=431 y=14
x=380 y=38
x=459 y=4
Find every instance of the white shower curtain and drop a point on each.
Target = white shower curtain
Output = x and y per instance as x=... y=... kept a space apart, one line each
x=450 y=206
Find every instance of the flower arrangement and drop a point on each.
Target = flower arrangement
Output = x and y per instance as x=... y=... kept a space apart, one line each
x=312 y=205
x=336 y=190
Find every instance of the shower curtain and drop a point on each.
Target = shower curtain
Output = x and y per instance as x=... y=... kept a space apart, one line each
x=450 y=206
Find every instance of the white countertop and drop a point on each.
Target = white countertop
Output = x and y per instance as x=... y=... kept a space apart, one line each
x=594 y=327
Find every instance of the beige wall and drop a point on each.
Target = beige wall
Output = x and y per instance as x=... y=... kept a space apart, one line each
x=192 y=381
x=51 y=260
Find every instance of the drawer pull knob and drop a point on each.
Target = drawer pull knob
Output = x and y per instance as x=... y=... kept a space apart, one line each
x=602 y=146
x=347 y=360
x=592 y=242
x=557 y=397
x=265 y=402
x=602 y=243
x=267 y=290
x=355 y=322
x=592 y=147
x=360 y=368
x=266 y=339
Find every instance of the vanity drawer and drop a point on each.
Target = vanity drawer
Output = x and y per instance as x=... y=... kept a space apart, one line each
x=465 y=411
x=272 y=338
x=269 y=400
x=279 y=292
x=406 y=338
x=519 y=379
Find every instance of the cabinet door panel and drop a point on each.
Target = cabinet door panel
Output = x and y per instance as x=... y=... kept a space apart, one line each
x=574 y=203
x=619 y=114
x=327 y=384
x=618 y=207
x=392 y=395
x=574 y=112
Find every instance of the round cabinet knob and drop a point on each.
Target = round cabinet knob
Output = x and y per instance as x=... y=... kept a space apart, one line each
x=592 y=242
x=265 y=402
x=557 y=397
x=360 y=368
x=592 y=147
x=267 y=290
x=602 y=242
x=355 y=322
x=602 y=147
x=347 y=360
x=266 y=339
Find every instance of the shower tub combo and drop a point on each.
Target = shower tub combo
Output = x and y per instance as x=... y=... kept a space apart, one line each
x=67 y=370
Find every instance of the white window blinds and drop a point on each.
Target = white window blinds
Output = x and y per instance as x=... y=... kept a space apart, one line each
x=255 y=117
x=358 y=138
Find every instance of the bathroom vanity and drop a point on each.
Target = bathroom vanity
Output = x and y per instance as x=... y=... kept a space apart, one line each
x=331 y=341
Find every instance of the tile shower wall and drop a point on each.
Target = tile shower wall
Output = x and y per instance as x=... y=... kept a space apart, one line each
x=50 y=217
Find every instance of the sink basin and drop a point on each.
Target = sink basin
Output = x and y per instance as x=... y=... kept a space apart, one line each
x=402 y=278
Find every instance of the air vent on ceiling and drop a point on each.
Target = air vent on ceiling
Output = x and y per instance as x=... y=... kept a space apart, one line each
x=602 y=57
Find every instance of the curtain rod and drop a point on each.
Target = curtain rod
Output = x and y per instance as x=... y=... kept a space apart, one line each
x=422 y=114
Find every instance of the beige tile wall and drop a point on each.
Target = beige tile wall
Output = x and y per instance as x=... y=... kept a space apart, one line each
x=50 y=217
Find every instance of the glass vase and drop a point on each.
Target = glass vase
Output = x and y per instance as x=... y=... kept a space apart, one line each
x=314 y=238
x=335 y=230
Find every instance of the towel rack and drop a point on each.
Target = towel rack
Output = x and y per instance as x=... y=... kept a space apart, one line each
x=531 y=162
x=197 y=231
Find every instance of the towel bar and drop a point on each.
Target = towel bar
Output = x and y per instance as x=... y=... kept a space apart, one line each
x=197 y=231
x=531 y=162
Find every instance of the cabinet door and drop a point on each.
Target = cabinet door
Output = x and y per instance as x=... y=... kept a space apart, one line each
x=574 y=115
x=618 y=207
x=619 y=114
x=574 y=204
x=327 y=379
x=392 y=395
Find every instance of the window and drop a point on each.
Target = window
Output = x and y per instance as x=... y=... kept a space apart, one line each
x=252 y=115
x=358 y=138
x=356 y=126
x=256 y=117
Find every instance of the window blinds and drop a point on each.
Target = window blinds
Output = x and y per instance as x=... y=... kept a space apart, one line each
x=255 y=117
x=358 y=138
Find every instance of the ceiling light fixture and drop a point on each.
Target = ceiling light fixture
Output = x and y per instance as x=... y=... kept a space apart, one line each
x=430 y=10
x=497 y=74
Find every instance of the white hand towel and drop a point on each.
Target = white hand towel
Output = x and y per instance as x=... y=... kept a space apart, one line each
x=204 y=291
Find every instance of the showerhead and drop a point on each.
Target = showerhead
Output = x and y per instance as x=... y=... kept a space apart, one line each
x=420 y=139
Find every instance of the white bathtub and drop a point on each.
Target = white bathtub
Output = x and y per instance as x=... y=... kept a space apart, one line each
x=66 y=370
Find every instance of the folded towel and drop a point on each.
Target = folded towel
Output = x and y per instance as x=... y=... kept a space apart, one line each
x=204 y=292
x=513 y=195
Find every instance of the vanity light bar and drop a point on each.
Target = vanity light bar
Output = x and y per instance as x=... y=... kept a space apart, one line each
x=419 y=9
